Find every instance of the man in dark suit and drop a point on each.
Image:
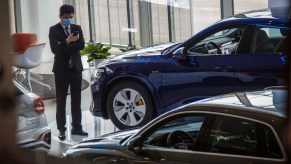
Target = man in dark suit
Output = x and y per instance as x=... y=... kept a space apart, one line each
x=66 y=41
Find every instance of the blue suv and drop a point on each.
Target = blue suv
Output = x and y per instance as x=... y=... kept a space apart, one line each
x=243 y=52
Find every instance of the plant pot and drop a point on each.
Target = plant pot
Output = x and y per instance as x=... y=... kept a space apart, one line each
x=97 y=61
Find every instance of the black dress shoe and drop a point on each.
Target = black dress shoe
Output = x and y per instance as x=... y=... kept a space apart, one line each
x=79 y=132
x=62 y=135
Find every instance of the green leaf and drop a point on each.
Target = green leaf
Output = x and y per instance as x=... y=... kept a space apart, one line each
x=95 y=51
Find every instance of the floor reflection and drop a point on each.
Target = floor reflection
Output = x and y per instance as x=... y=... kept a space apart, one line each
x=95 y=127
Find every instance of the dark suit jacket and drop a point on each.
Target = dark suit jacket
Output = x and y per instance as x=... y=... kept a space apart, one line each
x=62 y=51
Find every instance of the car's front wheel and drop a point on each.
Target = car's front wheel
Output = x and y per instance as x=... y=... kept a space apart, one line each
x=129 y=105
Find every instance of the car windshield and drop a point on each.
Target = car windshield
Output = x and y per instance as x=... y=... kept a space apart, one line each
x=220 y=34
x=166 y=50
x=184 y=121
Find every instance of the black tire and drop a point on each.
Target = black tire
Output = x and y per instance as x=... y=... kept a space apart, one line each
x=144 y=94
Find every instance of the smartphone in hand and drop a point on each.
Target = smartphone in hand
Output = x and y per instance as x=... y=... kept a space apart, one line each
x=75 y=33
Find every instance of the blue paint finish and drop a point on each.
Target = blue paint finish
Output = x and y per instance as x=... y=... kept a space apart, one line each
x=156 y=59
x=284 y=59
x=268 y=26
x=98 y=149
x=193 y=60
x=282 y=113
x=172 y=82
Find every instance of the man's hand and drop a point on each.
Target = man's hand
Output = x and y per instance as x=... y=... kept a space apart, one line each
x=72 y=38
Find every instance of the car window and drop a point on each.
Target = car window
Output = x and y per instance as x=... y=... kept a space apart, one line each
x=224 y=42
x=231 y=135
x=238 y=136
x=268 y=40
x=273 y=149
x=177 y=133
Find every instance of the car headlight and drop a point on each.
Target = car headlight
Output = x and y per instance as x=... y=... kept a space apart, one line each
x=98 y=72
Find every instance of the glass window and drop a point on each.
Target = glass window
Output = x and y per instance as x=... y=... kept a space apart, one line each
x=274 y=150
x=269 y=40
x=248 y=5
x=205 y=13
x=224 y=41
x=182 y=20
x=216 y=134
x=101 y=21
x=159 y=15
x=231 y=135
x=118 y=22
x=178 y=133
x=82 y=17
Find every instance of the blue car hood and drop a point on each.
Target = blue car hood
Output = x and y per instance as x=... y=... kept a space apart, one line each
x=143 y=52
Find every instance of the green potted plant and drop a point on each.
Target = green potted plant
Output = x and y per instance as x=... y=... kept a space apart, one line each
x=96 y=52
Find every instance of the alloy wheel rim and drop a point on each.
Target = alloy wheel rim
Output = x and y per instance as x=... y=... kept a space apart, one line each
x=129 y=107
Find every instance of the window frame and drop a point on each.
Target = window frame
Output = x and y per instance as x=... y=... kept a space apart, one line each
x=256 y=28
x=256 y=125
x=149 y=130
x=212 y=30
x=157 y=128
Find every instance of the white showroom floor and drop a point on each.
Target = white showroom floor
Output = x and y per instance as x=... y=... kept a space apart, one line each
x=93 y=125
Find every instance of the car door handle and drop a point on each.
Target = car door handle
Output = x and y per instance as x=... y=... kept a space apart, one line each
x=224 y=68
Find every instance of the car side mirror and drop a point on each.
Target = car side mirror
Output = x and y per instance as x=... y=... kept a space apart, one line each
x=179 y=54
x=135 y=144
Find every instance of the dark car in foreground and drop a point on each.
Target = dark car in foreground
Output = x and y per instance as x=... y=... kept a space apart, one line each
x=243 y=52
x=243 y=127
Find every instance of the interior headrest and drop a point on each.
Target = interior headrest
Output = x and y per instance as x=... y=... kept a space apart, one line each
x=284 y=32
x=236 y=126
x=262 y=36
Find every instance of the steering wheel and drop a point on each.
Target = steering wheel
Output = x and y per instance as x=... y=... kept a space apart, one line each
x=180 y=135
x=206 y=47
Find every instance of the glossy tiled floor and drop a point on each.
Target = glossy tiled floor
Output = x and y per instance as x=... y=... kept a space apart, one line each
x=93 y=125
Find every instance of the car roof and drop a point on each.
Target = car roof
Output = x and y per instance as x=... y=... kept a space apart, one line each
x=272 y=100
x=277 y=15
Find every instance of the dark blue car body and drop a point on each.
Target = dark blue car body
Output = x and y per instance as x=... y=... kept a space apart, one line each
x=176 y=78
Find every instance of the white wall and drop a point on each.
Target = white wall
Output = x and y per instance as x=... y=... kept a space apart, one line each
x=37 y=16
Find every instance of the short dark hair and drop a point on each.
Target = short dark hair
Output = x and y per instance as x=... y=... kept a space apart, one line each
x=66 y=9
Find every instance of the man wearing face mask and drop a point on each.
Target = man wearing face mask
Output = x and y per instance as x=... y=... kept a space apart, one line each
x=66 y=41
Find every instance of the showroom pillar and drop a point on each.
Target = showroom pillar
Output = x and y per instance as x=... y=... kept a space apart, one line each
x=227 y=8
x=145 y=17
x=130 y=21
x=17 y=13
x=171 y=21
x=91 y=19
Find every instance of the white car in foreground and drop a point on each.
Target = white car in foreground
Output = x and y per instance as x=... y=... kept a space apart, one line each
x=32 y=131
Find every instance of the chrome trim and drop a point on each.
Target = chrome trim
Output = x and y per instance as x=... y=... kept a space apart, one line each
x=213 y=154
x=20 y=86
x=140 y=133
x=239 y=108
